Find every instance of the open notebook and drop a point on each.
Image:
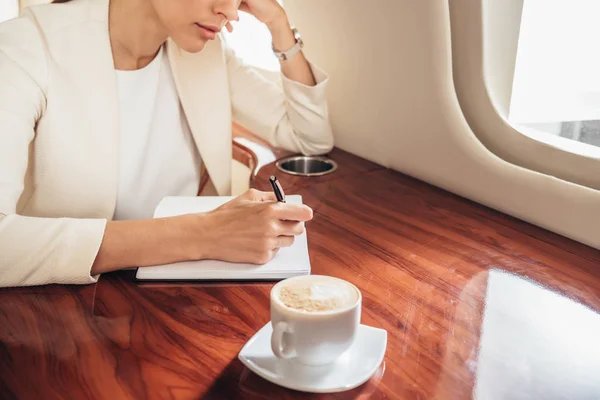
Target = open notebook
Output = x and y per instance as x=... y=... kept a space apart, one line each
x=288 y=262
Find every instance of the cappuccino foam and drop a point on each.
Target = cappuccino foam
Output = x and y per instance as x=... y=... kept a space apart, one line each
x=317 y=294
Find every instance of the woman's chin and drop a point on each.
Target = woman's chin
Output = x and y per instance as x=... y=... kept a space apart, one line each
x=191 y=45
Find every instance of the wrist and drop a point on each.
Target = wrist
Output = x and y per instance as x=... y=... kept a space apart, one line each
x=279 y=22
x=282 y=34
x=193 y=230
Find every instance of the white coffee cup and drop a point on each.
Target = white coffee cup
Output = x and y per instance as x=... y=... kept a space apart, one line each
x=314 y=336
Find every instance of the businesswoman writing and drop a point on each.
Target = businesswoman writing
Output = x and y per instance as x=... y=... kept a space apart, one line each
x=108 y=106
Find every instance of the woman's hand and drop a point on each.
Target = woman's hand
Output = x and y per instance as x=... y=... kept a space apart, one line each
x=250 y=228
x=269 y=12
x=272 y=14
x=250 y=196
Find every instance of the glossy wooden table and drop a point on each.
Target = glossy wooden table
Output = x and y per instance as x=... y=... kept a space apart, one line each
x=475 y=303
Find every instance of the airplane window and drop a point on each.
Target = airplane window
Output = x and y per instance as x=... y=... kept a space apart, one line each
x=556 y=86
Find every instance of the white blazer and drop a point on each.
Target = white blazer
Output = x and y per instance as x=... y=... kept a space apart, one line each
x=59 y=132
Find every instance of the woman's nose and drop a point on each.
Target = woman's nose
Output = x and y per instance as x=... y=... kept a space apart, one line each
x=228 y=9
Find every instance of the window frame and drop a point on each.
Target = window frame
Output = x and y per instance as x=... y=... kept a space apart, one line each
x=482 y=78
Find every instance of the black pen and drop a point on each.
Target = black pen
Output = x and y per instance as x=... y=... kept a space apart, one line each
x=277 y=189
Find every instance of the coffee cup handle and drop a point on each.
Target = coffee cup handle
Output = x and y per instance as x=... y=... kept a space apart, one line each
x=277 y=346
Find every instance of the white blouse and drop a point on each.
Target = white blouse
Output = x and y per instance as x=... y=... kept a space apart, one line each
x=157 y=154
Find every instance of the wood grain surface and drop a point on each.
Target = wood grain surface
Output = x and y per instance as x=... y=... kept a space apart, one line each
x=476 y=304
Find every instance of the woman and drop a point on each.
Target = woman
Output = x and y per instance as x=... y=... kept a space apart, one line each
x=106 y=107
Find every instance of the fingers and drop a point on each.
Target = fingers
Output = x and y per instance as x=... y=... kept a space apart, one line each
x=257 y=195
x=284 y=241
x=244 y=7
x=265 y=256
x=291 y=212
x=229 y=27
x=290 y=228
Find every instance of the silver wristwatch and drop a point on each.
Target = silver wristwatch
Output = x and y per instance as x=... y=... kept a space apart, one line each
x=286 y=55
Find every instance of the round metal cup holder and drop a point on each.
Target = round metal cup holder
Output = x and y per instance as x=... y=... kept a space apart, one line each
x=306 y=165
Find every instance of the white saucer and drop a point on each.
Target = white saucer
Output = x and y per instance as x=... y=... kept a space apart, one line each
x=350 y=370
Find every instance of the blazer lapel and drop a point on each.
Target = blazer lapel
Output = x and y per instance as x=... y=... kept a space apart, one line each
x=202 y=85
x=89 y=85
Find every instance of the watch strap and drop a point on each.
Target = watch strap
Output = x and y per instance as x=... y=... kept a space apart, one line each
x=286 y=55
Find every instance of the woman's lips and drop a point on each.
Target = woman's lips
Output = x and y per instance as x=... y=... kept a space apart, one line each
x=207 y=32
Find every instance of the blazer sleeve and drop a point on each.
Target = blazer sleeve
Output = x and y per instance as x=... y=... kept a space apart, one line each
x=291 y=116
x=33 y=251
